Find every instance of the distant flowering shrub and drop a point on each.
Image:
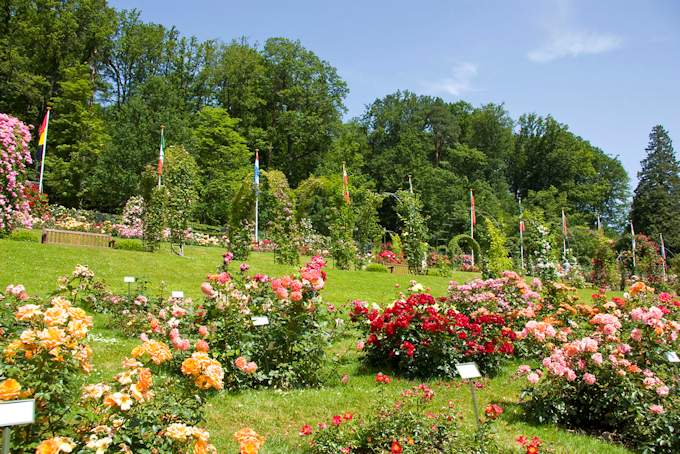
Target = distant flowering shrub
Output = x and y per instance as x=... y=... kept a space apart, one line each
x=14 y=160
x=608 y=370
x=133 y=224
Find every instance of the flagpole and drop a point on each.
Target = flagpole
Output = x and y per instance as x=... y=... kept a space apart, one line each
x=521 y=235
x=161 y=157
x=663 y=255
x=564 y=236
x=472 y=225
x=42 y=160
x=257 y=196
x=632 y=233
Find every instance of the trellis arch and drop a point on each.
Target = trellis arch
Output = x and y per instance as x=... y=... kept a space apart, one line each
x=459 y=242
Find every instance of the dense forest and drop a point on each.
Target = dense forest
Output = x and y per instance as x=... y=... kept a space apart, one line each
x=112 y=80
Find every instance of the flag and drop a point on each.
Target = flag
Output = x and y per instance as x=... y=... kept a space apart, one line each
x=42 y=132
x=632 y=233
x=473 y=212
x=345 y=184
x=564 y=223
x=522 y=228
x=256 y=178
x=161 y=155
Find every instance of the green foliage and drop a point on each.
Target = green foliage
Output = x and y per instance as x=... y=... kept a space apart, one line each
x=179 y=177
x=604 y=267
x=154 y=218
x=130 y=244
x=223 y=161
x=343 y=248
x=414 y=230
x=376 y=268
x=240 y=240
x=656 y=204
x=25 y=235
x=496 y=260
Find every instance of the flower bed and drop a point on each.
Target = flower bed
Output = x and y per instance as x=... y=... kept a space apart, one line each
x=419 y=336
x=608 y=370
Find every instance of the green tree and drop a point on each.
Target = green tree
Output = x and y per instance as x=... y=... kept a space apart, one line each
x=414 y=230
x=496 y=259
x=656 y=204
x=223 y=161
x=77 y=136
x=180 y=180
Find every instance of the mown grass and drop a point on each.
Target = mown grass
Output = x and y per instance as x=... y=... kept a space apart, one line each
x=278 y=415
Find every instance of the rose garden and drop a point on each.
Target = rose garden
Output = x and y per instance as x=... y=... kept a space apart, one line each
x=295 y=353
x=201 y=252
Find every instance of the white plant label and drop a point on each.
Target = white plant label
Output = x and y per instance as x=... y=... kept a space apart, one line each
x=16 y=412
x=468 y=370
x=129 y=279
x=177 y=294
x=672 y=357
x=260 y=321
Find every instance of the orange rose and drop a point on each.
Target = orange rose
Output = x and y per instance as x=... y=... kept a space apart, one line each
x=9 y=389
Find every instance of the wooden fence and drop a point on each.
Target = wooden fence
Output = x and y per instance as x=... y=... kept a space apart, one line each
x=76 y=238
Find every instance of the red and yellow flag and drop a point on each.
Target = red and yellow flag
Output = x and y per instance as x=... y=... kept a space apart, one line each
x=345 y=184
x=42 y=131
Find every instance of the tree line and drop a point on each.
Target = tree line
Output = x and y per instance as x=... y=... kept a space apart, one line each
x=113 y=79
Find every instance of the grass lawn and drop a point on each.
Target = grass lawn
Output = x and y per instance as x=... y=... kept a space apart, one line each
x=278 y=415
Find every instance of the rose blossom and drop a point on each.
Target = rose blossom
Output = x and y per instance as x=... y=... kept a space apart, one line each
x=533 y=378
x=589 y=378
x=656 y=409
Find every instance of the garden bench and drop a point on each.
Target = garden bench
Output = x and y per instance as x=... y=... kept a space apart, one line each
x=76 y=238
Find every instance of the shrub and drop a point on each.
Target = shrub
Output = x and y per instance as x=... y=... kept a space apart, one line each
x=154 y=219
x=15 y=158
x=129 y=245
x=414 y=231
x=45 y=362
x=240 y=240
x=608 y=372
x=376 y=268
x=496 y=260
x=285 y=236
x=421 y=337
x=407 y=425
x=343 y=248
x=25 y=235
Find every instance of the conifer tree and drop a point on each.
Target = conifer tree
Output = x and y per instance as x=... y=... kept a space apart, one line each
x=656 y=203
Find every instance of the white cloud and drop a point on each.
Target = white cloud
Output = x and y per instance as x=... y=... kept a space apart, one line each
x=458 y=83
x=571 y=43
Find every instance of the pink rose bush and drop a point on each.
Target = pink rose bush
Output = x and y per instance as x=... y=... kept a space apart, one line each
x=608 y=371
x=266 y=331
x=15 y=158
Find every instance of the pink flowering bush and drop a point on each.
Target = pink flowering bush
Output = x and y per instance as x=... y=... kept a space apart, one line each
x=14 y=159
x=266 y=331
x=609 y=370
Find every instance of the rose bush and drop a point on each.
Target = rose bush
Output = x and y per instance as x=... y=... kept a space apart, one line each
x=14 y=160
x=420 y=336
x=608 y=371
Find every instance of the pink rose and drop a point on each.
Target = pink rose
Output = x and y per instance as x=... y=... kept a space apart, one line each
x=597 y=358
x=589 y=378
x=636 y=335
x=533 y=378
x=281 y=293
x=296 y=296
x=202 y=346
x=360 y=345
x=662 y=391
x=203 y=331
x=523 y=369
x=174 y=333
x=296 y=285
x=207 y=289
x=656 y=409
x=144 y=337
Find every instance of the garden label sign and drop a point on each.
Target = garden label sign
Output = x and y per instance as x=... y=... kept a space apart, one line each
x=177 y=294
x=260 y=321
x=14 y=413
x=672 y=357
x=466 y=372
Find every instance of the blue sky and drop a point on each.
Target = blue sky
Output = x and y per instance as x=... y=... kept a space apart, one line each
x=609 y=69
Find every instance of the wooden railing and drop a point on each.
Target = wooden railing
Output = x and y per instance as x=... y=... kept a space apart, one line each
x=76 y=238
